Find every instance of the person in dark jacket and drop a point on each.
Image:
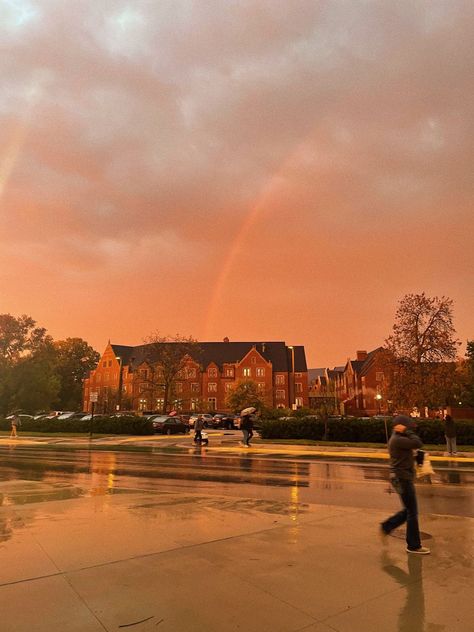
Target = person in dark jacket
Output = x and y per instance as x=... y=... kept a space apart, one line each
x=402 y=474
x=450 y=434
x=245 y=426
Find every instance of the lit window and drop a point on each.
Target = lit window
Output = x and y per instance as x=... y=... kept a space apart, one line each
x=261 y=386
x=280 y=394
x=212 y=401
x=247 y=372
x=228 y=387
x=299 y=402
x=280 y=379
x=212 y=372
x=260 y=371
x=299 y=387
x=229 y=372
x=212 y=387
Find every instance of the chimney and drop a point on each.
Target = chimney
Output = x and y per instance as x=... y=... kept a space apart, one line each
x=361 y=355
x=226 y=339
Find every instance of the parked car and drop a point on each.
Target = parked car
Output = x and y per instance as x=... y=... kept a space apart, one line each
x=22 y=417
x=168 y=425
x=206 y=417
x=224 y=420
x=66 y=415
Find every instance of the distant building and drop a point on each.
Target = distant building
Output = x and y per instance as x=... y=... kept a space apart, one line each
x=211 y=371
x=359 y=388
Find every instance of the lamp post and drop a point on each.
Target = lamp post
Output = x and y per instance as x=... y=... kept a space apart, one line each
x=378 y=397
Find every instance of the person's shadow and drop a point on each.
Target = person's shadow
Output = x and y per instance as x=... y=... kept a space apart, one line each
x=412 y=615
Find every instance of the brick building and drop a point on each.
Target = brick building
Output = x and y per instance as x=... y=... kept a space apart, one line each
x=358 y=388
x=211 y=370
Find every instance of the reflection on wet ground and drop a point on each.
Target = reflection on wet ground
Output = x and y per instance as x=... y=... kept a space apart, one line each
x=73 y=473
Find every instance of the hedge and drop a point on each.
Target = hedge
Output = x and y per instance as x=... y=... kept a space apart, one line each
x=102 y=425
x=431 y=431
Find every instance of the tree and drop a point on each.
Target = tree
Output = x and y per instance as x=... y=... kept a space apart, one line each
x=420 y=353
x=25 y=351
x=245 y=394
x=74 y=358
x=167 y=357
x=466 y=376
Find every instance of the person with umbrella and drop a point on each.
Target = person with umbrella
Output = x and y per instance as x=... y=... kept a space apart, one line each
x=246 y=425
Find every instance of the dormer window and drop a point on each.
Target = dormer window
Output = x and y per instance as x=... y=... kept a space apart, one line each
x=212 y=372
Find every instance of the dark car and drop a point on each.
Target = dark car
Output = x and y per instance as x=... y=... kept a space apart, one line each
x=168 y=425
x=224 y=420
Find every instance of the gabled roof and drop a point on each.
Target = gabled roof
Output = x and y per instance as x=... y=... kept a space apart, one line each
x=221 y=353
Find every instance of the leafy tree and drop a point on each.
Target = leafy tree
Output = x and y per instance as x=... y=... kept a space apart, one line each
x=466 y=376
x=167 y=358
x=21 y=342
x=74 y=358
x=420 y=353
x=245 y=394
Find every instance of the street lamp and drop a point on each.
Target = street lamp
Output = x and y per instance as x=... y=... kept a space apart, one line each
x=378 y=397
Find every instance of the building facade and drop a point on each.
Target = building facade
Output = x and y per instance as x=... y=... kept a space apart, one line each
x=359 y=388
x=209 y=372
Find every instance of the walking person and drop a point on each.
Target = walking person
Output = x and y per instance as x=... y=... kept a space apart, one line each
x=402 y=475
x=246 y=425
x=198 y=426
x=450 y=434
x=15 y=423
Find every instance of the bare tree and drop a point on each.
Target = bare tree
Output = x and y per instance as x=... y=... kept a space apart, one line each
x=167 y=357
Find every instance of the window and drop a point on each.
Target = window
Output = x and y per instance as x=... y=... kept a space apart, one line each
x=212 y=372
x=247 y=372
x=261 y=386
x=195 y=387
x=299 y=402
x=260 y=371
x=280 y=394
x=194 y=404
x=144 y=374
x=212 y=387
x=110 y=363
x=298 y=375
x=379 y=376
x=280 y=379
x=190 y=373
x=298 y=387
x=179 y=387
x=104 y=363
x=253 y=360
x=228 y=387
x=229 y=372
x=212 y=401
x=159 y=403
x=180 y=374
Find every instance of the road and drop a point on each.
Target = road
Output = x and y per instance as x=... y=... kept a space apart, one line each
x=174 y=464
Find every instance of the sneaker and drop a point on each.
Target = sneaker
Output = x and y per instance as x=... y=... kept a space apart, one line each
x=421 y=551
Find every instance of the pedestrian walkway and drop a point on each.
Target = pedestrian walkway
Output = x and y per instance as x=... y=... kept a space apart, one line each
x=179 y=562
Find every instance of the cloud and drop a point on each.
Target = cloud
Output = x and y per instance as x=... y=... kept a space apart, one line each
x=130 y=129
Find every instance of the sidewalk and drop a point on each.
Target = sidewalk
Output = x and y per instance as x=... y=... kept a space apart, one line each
x=175 y=562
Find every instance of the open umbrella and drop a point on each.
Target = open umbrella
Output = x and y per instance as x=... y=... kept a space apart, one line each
x=248 y=411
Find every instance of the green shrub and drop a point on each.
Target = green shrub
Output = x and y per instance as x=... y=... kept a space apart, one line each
x=101 y=425
x=360 y=430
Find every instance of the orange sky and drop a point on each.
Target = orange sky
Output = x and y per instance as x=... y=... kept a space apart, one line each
x=258 y=170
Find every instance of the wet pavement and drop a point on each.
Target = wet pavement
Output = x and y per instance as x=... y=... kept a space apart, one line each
x=176 y=538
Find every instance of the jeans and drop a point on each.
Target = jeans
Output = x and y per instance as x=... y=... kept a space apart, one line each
x=409 y=514
x=451 y=445
x=246 y=436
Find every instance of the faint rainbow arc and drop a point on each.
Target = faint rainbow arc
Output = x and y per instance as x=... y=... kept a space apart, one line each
x=247 y=224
